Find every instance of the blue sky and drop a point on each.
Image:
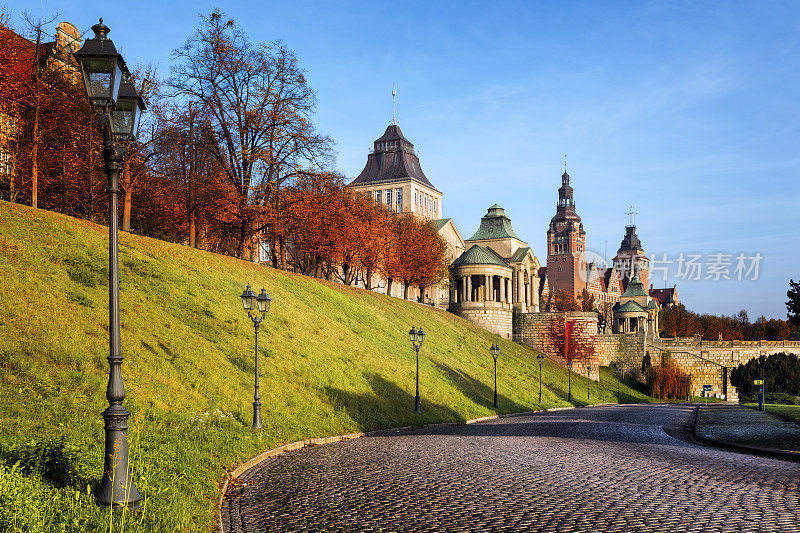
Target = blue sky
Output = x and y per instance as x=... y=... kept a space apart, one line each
x=684 y=109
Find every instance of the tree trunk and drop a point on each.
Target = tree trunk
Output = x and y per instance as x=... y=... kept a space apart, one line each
x=389 y=283
x=368 y=280
x=127 y=200
x=35 y=138
x=192 y=231
x=405 y=291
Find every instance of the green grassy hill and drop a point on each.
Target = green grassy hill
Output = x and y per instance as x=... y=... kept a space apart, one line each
x=334 y=360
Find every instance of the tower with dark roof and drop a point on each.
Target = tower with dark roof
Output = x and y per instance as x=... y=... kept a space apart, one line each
x=631 y=260
x=566 y=244
x=394 y=178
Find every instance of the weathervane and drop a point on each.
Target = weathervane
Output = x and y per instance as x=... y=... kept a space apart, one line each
x=394 y=112
x=565 y=162
x=632 y=215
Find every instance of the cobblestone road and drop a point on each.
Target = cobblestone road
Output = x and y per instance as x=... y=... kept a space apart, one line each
x=629 y=468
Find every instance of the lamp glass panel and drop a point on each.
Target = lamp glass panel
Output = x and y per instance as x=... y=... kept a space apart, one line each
x=263 y=301
x=97 y=76
x=420 y=335
x=412 y=335
x=122 y=118
x=246 y=302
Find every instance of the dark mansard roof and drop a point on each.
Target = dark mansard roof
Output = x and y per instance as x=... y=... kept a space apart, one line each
x=392 y=159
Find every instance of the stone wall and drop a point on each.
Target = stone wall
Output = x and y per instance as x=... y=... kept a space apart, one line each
x=495 y=319
x=531 y=329
x=711 y=362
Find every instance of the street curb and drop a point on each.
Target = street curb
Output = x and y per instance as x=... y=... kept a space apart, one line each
x=741 y=448
x=253 y=461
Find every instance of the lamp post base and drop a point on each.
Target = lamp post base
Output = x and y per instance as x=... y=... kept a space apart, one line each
x=496 y=405
x=256 y=415
x=416 y=405
x=117 y=488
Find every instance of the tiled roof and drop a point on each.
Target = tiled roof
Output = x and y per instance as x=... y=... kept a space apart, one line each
x=392 y=165
x=664 y=296
x=479 y=255
x=494 y=225
x=439 y=223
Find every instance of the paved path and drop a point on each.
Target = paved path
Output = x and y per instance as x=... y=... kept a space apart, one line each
x=627 y=468
x=748 y=427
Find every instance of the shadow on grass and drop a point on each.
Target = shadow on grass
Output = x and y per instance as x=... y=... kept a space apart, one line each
x=388 y=406
x=477 y=391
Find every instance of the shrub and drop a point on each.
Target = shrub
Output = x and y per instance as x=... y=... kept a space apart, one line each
x=667 y=381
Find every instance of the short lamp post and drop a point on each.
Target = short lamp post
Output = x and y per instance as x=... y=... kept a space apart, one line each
x=259 y=304
x=495 y=349
x=114 y=99
x=569 y=381
x=417 y=336
x=588 y=382
x=616 y=368
x=540 y=358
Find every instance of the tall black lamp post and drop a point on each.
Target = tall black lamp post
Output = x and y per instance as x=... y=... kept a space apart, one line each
x=495 y=349
x=260 y=304
x=417 y=336
x=113 y=97
x=540 y=358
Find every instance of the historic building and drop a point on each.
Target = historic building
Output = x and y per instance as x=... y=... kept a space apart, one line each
x=496 y=277
x=636 y=311
x=393 y=176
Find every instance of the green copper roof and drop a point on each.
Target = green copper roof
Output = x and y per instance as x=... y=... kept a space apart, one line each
x=478 y=255
x=635 y=287
x=520 y=254
x=495 y=225
x=630 y=307
x=440 y=223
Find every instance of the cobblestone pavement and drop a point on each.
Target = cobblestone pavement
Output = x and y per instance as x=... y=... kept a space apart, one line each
x=620 y=468
x=749 y=427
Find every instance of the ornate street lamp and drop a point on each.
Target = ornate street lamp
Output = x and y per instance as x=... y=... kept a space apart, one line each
x=260 y=304
x=103 y=70
x=540 y=358
x=495 y=349
x=417 y=336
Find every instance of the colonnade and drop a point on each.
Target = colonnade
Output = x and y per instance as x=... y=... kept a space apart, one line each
x=501 y=289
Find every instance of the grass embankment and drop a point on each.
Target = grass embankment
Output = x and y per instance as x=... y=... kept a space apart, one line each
x=788 y=412
x=334 y=360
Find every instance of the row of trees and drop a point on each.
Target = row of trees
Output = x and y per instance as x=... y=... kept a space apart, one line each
x=677 y=321
x=227 y=159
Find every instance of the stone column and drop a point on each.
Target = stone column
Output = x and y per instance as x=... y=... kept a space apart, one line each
x=487 y=288
x=502 y=290
x=511 y=295
x=469 y=288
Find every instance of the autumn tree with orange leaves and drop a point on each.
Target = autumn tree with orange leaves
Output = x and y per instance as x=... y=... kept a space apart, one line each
x=571 y=342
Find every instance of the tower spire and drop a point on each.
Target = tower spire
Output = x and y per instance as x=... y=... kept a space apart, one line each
x=631 y=216
x=394 y=108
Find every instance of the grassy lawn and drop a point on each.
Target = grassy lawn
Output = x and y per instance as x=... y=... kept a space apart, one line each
x=334 y=360
x=789 y=412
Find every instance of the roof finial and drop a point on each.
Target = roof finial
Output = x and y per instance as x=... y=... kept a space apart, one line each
x=631 y=216
x=565 y=162
x=394 y=109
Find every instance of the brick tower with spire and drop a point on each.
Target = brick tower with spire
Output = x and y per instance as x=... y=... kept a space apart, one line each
x=566 y=244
